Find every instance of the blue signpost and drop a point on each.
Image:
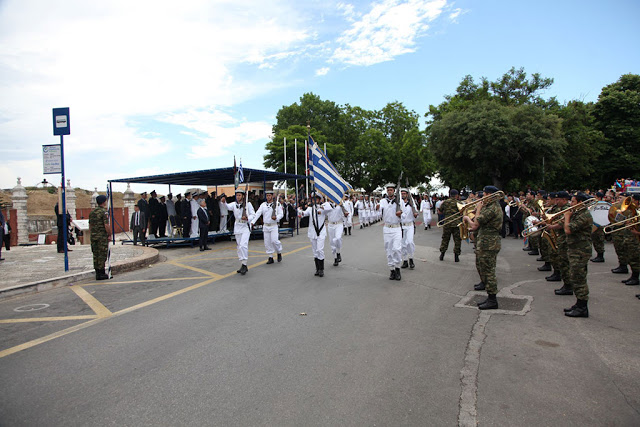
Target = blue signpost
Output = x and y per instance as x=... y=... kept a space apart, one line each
x=62 y=126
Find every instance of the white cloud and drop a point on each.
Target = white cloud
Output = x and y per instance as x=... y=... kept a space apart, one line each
x=322 y=71
x=388 y=30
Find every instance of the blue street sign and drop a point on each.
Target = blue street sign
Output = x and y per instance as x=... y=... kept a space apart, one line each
x=61 y=121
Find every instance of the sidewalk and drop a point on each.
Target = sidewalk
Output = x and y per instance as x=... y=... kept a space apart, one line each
x=28 y=269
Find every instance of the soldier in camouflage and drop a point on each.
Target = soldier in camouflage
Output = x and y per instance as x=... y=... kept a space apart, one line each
x=631 y=247
x=488 y=223
x=545 y=245
x=562 y=257
x=597 y=236
x=100 y=233
x=577 y=226
x=618 y=243
x=449 y=208
x=553 y=254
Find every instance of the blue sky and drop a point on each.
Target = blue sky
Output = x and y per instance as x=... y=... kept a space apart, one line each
x=163 y=86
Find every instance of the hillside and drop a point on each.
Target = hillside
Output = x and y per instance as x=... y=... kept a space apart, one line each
x=41 y=202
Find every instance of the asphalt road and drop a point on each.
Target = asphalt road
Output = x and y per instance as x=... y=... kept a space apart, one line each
x=190 y=342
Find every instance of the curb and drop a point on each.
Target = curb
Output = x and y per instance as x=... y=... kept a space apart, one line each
x=149 y=256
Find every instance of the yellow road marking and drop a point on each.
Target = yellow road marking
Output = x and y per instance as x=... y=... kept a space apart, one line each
x=47 y=319
x=93 y=303
x=199 y=270
x=199 y=255
x=75 y=328
x=257 y=252
x=143 y=281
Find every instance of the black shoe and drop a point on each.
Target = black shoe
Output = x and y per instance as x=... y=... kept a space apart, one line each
x=97 y=274
x=345 y=231
x=534 y=252
x=580 y=310
x=206 y=248
x=621 y=269
x=555 y=277
x=102 y=275
x=392 y=276
x=540 y=259
x=321 y=271
x=633 y=280
x=563 y=291
x=240 y=269
x=243 y=269
x=398 y=276
x=527 y=249
x=349 y=231
x=360 y=226
x=441 y=256
x=491 y=303
x=279 y=257
x=339 y=257
x=405 y=264
x=317 y=261
x=638 y=296
x=545 y=267
x=479 y=287
x=335 y=262
x=425 y=228
x=270 y=261
x=598 y=258
x=411 y=264
x=573 y=307
x=201 y=249
x=456 y=257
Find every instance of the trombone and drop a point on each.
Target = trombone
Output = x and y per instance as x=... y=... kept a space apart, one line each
x=558 y=216
x=463 y=208
x=625 y=223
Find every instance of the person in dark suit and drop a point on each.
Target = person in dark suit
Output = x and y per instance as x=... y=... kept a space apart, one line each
x=213 y=208
x=154 y=210
x=185 y=214
x=144 y=208
x=2 y=222
x=162 y=218
x=203 y=223
x=178 y=204
x=138 y=225
x=60 y=223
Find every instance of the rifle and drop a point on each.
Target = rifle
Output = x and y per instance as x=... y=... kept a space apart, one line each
x=275 y=205
x=398 y=197
x=413 y=202
x=246 y=195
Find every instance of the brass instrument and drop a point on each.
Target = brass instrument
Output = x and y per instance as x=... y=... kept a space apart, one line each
x=559 y=216
x=465 y=208
x=625 y=223
x=623 y=217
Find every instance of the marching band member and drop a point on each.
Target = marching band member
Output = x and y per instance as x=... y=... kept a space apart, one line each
x=450 y=207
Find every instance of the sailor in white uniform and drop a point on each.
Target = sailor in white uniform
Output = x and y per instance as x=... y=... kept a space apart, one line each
x=425 y=207
x=270 y=220
x=244 y=214
x=317 y=230
x=348 y=220
x=408 y=230
x=335 y=221
x=392 y=231
x=195 y=205
x=361 y=211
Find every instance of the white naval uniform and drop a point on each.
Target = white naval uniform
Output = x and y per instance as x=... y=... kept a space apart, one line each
x=241 y=228
x=270 y=226
x=335 y=222
x=408 y=230
x=195 y=225
x=392 y=233
x=348 y=220
x=368 y=215
x=317 y=239
x=361 y=211
x=425 y=207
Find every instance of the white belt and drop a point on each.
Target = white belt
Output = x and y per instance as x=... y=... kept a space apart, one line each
x=241 y=221
x=407 y=224
x=392 y=225
x=336 y=223
x=266 y=224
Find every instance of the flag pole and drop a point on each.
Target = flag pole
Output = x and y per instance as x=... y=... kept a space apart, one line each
x=295 y=190
x=306 y=166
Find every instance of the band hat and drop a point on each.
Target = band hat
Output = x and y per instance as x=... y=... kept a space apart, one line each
x=268 y=192
x=144 y=193
x=101 y=199
x=404 y=189
x=489 y=189
x=581 y=197
x=600 y=194
x=453 y=192
x=178 y=195
x=153 y=192
x=636 y=196
x=169 y=195
x=187 y=193
x=553 y=195
x=240 y=190
x=563 y=195
x=390 y=185
x=162 y=197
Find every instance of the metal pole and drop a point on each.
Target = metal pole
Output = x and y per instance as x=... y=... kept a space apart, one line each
x=295 y=154
x=65 y=228
x=285 y=164
x=113 y=221
x=306 y=167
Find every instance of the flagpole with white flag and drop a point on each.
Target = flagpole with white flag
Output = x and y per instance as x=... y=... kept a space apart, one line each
x=285 y=164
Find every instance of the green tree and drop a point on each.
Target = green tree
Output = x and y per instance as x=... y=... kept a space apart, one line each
x=617 y=114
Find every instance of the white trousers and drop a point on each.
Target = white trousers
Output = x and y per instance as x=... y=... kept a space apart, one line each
x=317 y=245
x=426 y=216
x=195 y=228
x=348 y=220
x=335 y=237
x=223 y=222
x=271 y=239
x=408 y=246
x=242 y=241
x=364 y=217
x=393 y=246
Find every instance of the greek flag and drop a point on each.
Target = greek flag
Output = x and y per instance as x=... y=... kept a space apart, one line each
x=325 y=176
x=240 y=173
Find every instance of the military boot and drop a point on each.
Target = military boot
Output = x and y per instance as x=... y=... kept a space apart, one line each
x=491 y=303
x=633 y=280
x=339 y=257
x=102 y=275
x=555 y=277
x=573 y=307
x=335 y=262
x=545 y=267
x=244 y=269
x=621 y=269
x=456 y=257
x=405 y=264
x=279 y=257
x=527 y=248
x=392 y=276
x=411 y=264
x=441 y=256
x=564 y=290
x=270 y=261
x=598 y=258
x=321 y=265
x=534 y=252
x=580 y=310
x=540 y=259
x=98 y=273
x=317 y=261
x=479 y=287
x=398 y=276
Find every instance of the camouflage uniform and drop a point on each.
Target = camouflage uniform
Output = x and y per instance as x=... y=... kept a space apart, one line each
x=99 y=238
x=579 y=251
x=562 y=258
x=488 y=245
x=553 y=253
x=631 y=248
x=597 y=237
x=618 y=242
x=450 y=207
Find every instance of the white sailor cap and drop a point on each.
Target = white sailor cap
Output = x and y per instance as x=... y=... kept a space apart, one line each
x=404 y=189
x=239 y=190
x=268 y=192
x=390 y=185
